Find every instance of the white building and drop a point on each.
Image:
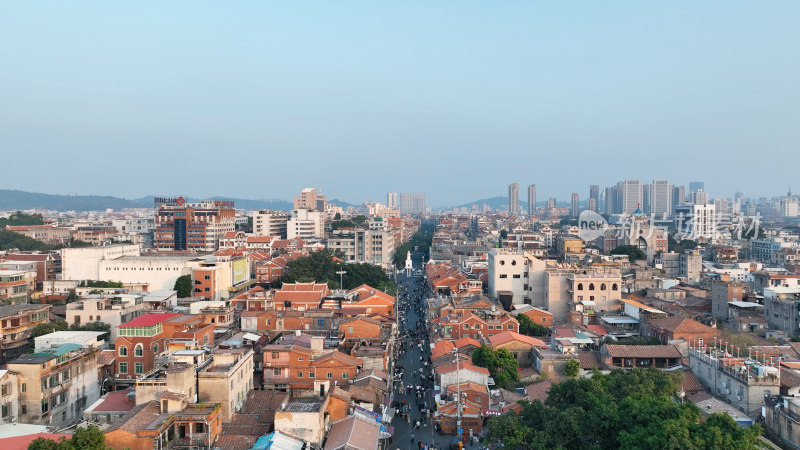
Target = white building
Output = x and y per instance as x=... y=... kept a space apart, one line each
x=270 y=223
x=374 y=246
x=111 y=309
x=306 y=225
x=661 y=198
x=84 y=263
x=148 y=273
x=696 y=221
x=412 y=203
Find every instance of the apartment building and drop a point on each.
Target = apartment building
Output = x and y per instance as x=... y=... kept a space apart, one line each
x=14 y=286
x=306 y=224
x=49 y=234
x=220 y=279
x=311 y=200
x=193 y=226
x=227 y=380
x=364 y=246
x=16 y=324
x=56 y=384
x=270 y=223
x=586 y=291
x=782 y=308
x=113 y=309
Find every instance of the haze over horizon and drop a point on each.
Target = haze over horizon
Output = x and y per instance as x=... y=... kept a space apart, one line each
x=455 y=100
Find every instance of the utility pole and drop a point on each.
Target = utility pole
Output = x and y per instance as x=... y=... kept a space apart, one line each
x=341 y=278
x=458 y=397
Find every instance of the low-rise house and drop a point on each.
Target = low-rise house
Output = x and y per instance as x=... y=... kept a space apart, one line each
x=675 y=327
x=518 y=344
x=304 y=418
x=227 y=379
x=471 y=418
x=461 y=373
x=644 y=356
x=113 y=309
x=171 y=422
x=473 y=392
x=354 y=432
x=110 y=407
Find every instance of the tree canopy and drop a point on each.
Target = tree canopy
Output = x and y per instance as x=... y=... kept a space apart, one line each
x=322 y=267
x=682 y=246
x=19 y=218
x=353 y=222
x=530 y=328
x=422 y=239
x=184 y=286
x=572 y=368
x=84 y=438
x=634 y=253
x=623 y=410
x=501 y=364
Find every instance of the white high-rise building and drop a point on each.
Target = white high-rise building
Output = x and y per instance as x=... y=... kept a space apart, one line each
x=532 y=200
x=631 y=196
x=305 y=224
x=661 y=198
x=391 y=200
x=696 y=221
x=513 y=198
x=270 y=223
x=412 y=203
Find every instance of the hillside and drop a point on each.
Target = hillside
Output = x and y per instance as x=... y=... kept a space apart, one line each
x=21 y=200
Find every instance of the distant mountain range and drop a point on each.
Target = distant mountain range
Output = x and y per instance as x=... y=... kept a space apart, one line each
x=21 y=200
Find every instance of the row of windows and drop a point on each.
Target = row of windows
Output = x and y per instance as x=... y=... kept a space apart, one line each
x=614 y=287
x=277 y=372
x=138 y=368
x=138 y=351
x=477 y=326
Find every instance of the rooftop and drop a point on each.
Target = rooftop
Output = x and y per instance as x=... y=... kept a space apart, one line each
x=148 y=320
x=304 y=404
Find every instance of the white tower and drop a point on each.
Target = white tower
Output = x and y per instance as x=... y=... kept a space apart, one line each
x=409 y=264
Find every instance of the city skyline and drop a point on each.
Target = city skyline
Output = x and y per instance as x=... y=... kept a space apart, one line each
x=607 y=92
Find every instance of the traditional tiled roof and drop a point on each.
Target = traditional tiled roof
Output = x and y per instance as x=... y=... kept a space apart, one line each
x=539 y=391
x=677 y=324
x=442 y=348
x=642 y=351
x=508 y=336
x=467 y=341
x=589 y=360
x=353 y=433
x=464 y=366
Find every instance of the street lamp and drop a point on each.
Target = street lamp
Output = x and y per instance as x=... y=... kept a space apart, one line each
x=341 y=278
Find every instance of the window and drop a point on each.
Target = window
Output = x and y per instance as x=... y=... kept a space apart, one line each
x=511 y=326
x=123 y=351
x=23 y=387
x=205 y=340
x=476 y=326
x=274 y=355
x=320 y=322
x=138 y=368
x=155 y=348
x=503 y=276
x=45 y=406
x=516 y=275
x=603 y=287
x=591 y=286
x=198 y=428
x=466 y=326
x=4 y=389
x=23 y=409
x=349 y=330
x=580 y=286
x=299 y=374
x=330 y=375
x=311 y=374
x=138 y=351
x=123 y=367
x=344 y=375
x=614 y=287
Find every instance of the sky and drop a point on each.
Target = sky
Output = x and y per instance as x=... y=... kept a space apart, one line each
x=454 y=99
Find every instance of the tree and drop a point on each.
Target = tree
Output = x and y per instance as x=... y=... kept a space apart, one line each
x=634 y=253
x=321 y=267
x=47 y=328
x=628 y=410
x=530 y=328
x=184 y=286
x=501 y=364
x=84 y=438
x=572 y=368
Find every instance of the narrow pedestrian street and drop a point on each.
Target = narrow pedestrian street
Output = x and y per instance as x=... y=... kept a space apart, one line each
x=414 y=426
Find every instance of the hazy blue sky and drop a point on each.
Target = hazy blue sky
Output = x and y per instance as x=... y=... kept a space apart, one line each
x=455 y=99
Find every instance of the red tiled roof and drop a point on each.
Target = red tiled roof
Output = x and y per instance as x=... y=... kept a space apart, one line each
x=677 y=324
x=508 y=336
x=148 y=320
x=465 y=341
x=597 y=329
x=22 y=442
x=117 y=401
x=442 y=348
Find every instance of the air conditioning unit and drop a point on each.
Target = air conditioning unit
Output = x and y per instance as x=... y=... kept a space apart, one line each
x=724 y=385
